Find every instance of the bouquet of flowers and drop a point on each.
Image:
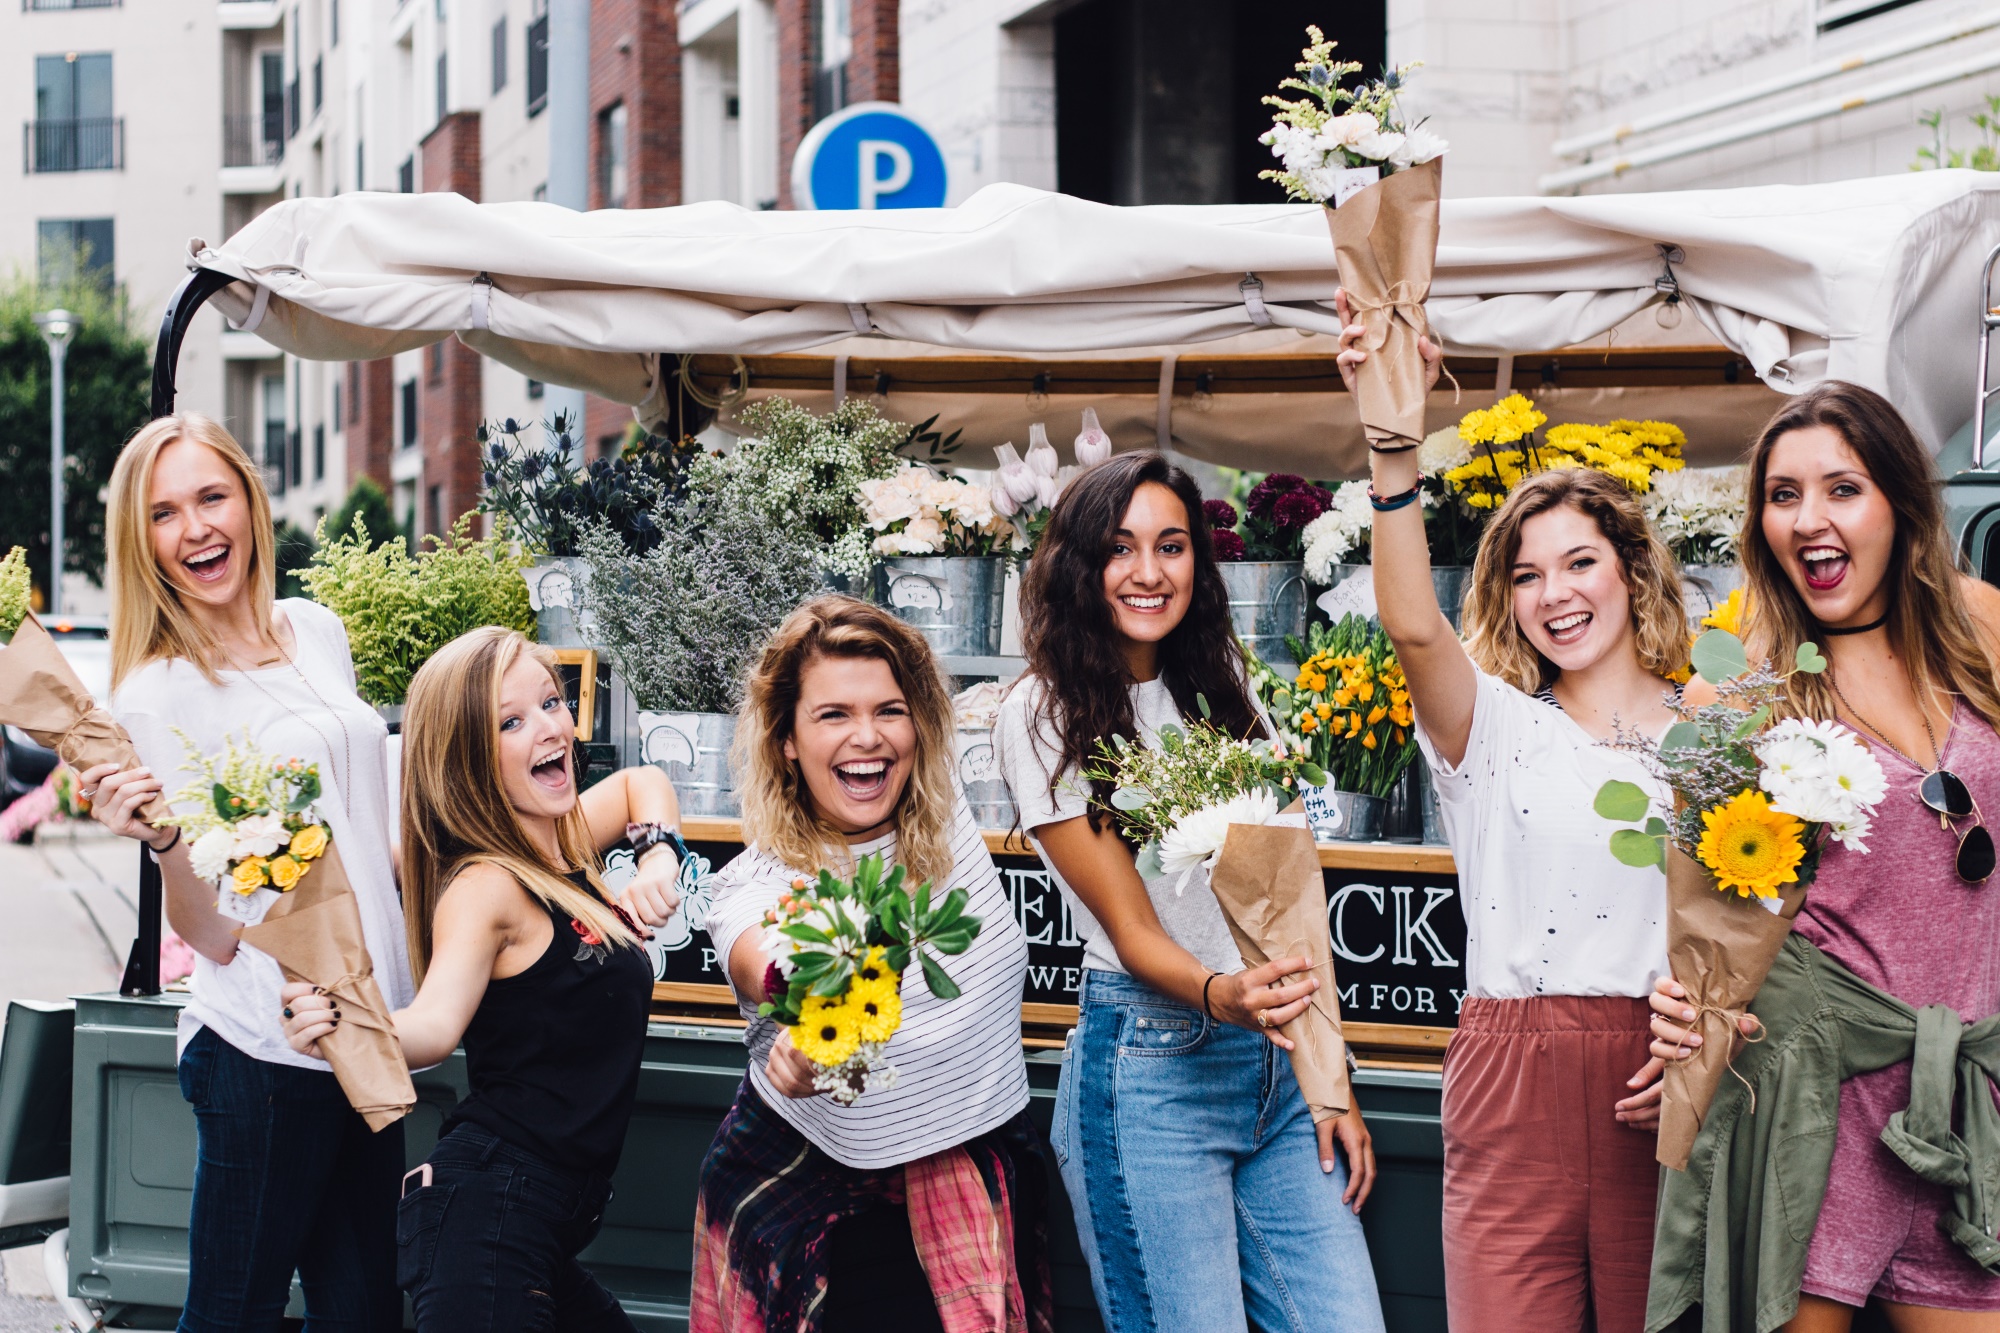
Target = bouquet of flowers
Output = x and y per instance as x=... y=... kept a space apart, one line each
x=1201 y=797
x=916 y=511
x=1331 y=154
x=253 y=830
x=1754 y=806
x=841 y=947
x=1698 y=512
x=1348 y=708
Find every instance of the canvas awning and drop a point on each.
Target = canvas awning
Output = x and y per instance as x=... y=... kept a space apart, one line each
x=1874 y=281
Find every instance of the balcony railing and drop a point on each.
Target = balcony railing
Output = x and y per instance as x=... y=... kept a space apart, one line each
x=27 y=5
x=253 y=140
x=93 y=144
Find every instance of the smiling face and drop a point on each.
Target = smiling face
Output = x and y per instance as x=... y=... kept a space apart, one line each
x=201 y=524
x=854 y=742
x=1830 y=526
x=1149 y=579
x=536 y=734
x=1570 y=598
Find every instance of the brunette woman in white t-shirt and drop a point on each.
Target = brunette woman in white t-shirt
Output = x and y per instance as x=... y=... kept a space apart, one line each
x=1573 y=623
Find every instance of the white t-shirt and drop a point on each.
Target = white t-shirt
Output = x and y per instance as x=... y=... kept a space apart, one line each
x=1029 y=753
x=286 y=718
x=1548 y=909
x=959 y=1066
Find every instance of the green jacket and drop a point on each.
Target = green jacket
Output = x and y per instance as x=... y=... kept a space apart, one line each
x=1733 y=1228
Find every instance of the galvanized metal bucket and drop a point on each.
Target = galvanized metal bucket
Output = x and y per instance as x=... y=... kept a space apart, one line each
x=557 y=588
x=954 y=601
x=1343 y=816
x=1704 y=588
x=979 y=774
x=1267 y=601
x=1450 y=582
x=693 y=750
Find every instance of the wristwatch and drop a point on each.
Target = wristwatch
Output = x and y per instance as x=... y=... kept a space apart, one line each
x=649 y=836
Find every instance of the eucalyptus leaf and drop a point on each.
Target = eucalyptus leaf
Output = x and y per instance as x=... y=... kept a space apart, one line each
x=1809 y=659
x=1656 y=827
x=1634 y=848
x=1625 y=802
x=1680 y=736
x=1718 y=655
x=1148 y=861
x=1130 y=798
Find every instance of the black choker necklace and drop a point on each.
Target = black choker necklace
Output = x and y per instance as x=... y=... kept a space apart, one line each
x=1876 y=623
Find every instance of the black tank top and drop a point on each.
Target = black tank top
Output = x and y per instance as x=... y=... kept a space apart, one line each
x=552 y=1053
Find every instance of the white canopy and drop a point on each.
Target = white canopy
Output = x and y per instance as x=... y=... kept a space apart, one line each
x=1874 y=281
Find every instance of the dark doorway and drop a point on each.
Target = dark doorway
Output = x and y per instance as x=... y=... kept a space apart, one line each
x=1159 y=101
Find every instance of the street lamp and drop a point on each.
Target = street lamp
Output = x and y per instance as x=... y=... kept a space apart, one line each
x=58 y=327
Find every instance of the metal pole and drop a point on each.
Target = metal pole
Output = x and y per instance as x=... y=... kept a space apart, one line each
x=569 y=158
x=58 y=351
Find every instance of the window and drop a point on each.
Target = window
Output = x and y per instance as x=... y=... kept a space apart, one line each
x=333 y=22
x=319 y=85
x=319 y=443
x=409 y=409
x=538 y=64
x=274 y=433
x=74 y=129
x=271 y=78
x=406 y=175
x=836 y=43
x=500 y=55
x=611 y=168
x=72 y=248
x=434 y=509
x=297 y=440
x=434 y=360
x=443 y=91
x=337 y=418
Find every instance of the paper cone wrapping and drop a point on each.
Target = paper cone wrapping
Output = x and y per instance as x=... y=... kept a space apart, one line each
x=315 y=934
x=40 y=694
x=1720 y=947
x=1385 y=241
x=1273 y=896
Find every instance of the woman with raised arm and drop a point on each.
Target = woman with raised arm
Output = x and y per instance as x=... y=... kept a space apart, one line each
x=288 y=1178
x=1845 y=546
x=1203 y=1192
x=921 y=1205
x=1573 y=625
x=520 y=953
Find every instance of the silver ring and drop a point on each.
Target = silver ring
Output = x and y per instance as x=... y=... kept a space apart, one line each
x=87 y=793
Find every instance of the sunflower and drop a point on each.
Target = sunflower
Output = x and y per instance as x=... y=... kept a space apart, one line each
x=828 y=1031
x=1750 y=847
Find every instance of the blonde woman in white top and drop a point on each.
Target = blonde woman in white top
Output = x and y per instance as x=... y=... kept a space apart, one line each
x=1573 y=623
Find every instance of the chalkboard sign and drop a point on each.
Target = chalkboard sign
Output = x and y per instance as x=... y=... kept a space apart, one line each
x=1398 y=936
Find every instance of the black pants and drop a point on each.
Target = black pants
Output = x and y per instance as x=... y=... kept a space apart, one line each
x=489 y=1245
x=874 y=1281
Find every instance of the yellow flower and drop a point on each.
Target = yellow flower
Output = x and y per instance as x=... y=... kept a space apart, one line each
x=1308 y=723
x=877 y=1004
x=248 y=876
x=1750 y=847
x=1728 y=616
x=828 y=1031
x=1325 y=711
x=1368 y=741
x=285 y=872
x=309 y=842
x=1376 y=714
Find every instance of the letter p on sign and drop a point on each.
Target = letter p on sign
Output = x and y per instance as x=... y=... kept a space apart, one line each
x=869 y=156
x=874 y=182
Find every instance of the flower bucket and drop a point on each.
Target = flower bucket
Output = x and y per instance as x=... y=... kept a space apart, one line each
x=954 y=601
x=1343 y=816
x=1267 y=601
x=1403 y=815
x=1706 y=587
x=1448 y=581
x=979 y=774
x=693 y=750
x=556 y=588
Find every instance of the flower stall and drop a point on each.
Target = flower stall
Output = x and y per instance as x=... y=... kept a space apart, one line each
x=1209 y=331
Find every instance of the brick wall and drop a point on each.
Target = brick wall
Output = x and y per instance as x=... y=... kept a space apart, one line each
x=370 y=418
x=635 y=58
x=872 y=69
x=448 y=386
x=795 y=86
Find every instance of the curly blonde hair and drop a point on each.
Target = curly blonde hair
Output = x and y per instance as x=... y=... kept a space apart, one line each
x=1659 y=618
x=778 y=812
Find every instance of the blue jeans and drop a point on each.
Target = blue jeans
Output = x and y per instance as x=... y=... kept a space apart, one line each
x=287 y=1178
x=489 y=1245
x=1191 y=1163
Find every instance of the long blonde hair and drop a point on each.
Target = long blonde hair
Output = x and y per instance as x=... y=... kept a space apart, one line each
x=454 y=808
x=1929 y=622
x=148 y=619
x=778 y=813
x=1659 y=619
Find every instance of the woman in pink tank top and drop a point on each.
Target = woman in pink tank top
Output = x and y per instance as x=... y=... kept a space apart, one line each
x=1845 y=546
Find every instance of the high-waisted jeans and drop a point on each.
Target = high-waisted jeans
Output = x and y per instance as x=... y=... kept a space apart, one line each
x=1194 y=1173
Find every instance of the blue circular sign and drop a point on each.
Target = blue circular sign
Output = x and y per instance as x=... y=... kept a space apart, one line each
x=870 y=155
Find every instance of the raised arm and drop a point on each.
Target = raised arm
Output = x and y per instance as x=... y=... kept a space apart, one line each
x=640 y=795
x=1442 y=682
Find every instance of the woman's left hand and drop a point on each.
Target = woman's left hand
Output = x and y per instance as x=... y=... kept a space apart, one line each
x=1350 y=354
x=1642 y=1109
x=651 y=896
x=1358 y=1144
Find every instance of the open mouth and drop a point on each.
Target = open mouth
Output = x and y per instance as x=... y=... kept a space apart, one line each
x=1825 y=567
x=862 y=779
x=1145 y=605
x=1568 y=629
x=208 y=565
x=552 y=771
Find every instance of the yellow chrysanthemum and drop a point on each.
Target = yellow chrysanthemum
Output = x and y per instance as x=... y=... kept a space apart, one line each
x=828 y=1031
x=1728 y=616
x=1749 y=847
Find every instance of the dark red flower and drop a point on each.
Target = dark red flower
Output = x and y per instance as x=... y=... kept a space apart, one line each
x=1220 y=514
x=774 y=983
x=1295 y=509
x=1265 y=493
x=1323 y=495
x=1228 y=546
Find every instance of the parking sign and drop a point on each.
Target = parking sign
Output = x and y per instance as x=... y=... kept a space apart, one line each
x=869 y=155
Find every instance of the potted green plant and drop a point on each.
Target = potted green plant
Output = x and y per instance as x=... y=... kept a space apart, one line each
x=805 y=470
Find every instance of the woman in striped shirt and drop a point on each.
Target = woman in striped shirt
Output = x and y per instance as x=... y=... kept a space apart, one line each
x=920 y=1206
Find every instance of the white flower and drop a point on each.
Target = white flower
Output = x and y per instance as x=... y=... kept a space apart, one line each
x=1817 y=771
x=888 y=502
x=974 y=506
x=260 y=835
x=1850 y=833
x=1196 y=839
x=1699 y=510
x=1348 y=131
x=924 y=535
x=1379 y=145
x=1042 y=458
x=1418 y=147
x=211 y=853
x=1016 y=477
x=1003 y=501
x=943 y=493
x=1092 y=444
x=1441 y=451
x=1048 y=489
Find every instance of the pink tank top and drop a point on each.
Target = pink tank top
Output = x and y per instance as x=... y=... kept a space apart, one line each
x=1898 y=916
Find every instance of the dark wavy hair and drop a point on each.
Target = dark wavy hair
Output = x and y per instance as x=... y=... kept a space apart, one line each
x=1071 y=641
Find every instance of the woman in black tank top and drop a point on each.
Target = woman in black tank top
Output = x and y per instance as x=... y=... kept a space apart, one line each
x=520 y=954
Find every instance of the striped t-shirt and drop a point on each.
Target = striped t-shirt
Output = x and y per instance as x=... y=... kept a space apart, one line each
x=959 y=1067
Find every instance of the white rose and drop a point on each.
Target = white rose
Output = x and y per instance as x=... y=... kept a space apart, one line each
x=1347 y=131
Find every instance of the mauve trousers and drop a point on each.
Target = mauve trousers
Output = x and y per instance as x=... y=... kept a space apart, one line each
x=1548 y=1197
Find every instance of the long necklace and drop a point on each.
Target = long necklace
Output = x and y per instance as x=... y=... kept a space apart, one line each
x=1937 y=754
x=345 y=772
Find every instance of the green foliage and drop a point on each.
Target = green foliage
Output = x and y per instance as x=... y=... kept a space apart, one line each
x=805 y=470
x=14 y=593
x=1940 y=155
x=295 y=547
x=400 y=609
x=1718 y=656
x=107 y=389
x=369 y=503
x=1625 y=802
